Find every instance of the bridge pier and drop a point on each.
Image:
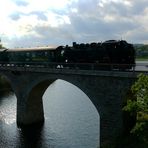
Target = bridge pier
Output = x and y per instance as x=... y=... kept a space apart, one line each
x=107 y=93
x=30 y=104
x=30 y=111
x=29 y=91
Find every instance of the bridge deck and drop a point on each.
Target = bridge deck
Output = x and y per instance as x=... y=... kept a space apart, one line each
x=115 y=73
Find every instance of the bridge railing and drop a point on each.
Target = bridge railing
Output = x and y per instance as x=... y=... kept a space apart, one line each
x=79 y=66
x=75 y=66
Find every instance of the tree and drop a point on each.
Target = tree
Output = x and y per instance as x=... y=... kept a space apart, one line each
x=1 y=45
x=140 y=107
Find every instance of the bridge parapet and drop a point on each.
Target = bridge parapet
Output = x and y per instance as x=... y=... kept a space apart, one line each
x=73 y=71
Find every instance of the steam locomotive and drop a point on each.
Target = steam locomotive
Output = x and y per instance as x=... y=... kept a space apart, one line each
x=103 y=55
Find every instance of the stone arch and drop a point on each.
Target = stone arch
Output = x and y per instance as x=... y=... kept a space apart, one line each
x=39 y=87
x=33 y=110
x=35 y=101
x=71 y=102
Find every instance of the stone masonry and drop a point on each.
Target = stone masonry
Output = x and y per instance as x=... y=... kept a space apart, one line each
x=106 y=90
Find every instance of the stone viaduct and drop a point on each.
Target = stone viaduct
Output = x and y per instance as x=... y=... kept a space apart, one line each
x=106 y=90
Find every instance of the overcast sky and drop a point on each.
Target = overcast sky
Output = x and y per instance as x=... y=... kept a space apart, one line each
x=25 y=23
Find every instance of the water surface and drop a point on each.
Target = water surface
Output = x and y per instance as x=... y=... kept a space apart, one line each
x=71 y=121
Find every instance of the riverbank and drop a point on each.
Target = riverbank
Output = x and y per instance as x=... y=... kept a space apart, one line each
x=142 y=58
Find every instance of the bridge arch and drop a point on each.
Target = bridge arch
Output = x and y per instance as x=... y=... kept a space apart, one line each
x=37 y=90
x=35 y=100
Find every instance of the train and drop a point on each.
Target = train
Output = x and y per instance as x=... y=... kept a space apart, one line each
x=117 y=54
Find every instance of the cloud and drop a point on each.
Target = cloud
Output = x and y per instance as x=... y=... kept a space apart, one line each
x=99 y=22
x=21 y=2
x=54 y=22
x=40 y=15
x=15 y=16
x=138 y=7
x=112 y=19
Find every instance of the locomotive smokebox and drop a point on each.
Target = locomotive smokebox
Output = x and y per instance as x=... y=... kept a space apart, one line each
x=74 y=44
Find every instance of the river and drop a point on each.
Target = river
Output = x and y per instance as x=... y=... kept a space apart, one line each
x=142 y=66
x=71 y=121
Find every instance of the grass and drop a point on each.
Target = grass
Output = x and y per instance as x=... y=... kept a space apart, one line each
x=145 y=58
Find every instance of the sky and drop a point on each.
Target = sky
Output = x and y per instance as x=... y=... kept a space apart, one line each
x=30 y=23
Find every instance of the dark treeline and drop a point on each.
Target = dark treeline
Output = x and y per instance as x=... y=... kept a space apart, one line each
x=141 y=51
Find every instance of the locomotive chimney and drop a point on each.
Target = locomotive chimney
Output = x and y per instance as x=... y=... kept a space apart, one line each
x=74 y=44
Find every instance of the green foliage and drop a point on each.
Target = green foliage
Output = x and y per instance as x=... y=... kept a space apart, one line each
x=142 y=48
x=141 y=52
x=140 y=92
x=139 y=104
x=140 y=89
x=2 y=47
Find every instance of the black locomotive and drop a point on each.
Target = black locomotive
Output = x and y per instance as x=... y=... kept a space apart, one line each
x=106 y=55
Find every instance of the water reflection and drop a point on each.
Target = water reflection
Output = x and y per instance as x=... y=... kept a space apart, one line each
x=30 y=137
x=7 y=112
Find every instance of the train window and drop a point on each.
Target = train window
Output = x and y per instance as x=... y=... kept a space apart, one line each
x=62 y=52
x=33 y=55
x=27 y=54
x=52 y=54
x=46 y=53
